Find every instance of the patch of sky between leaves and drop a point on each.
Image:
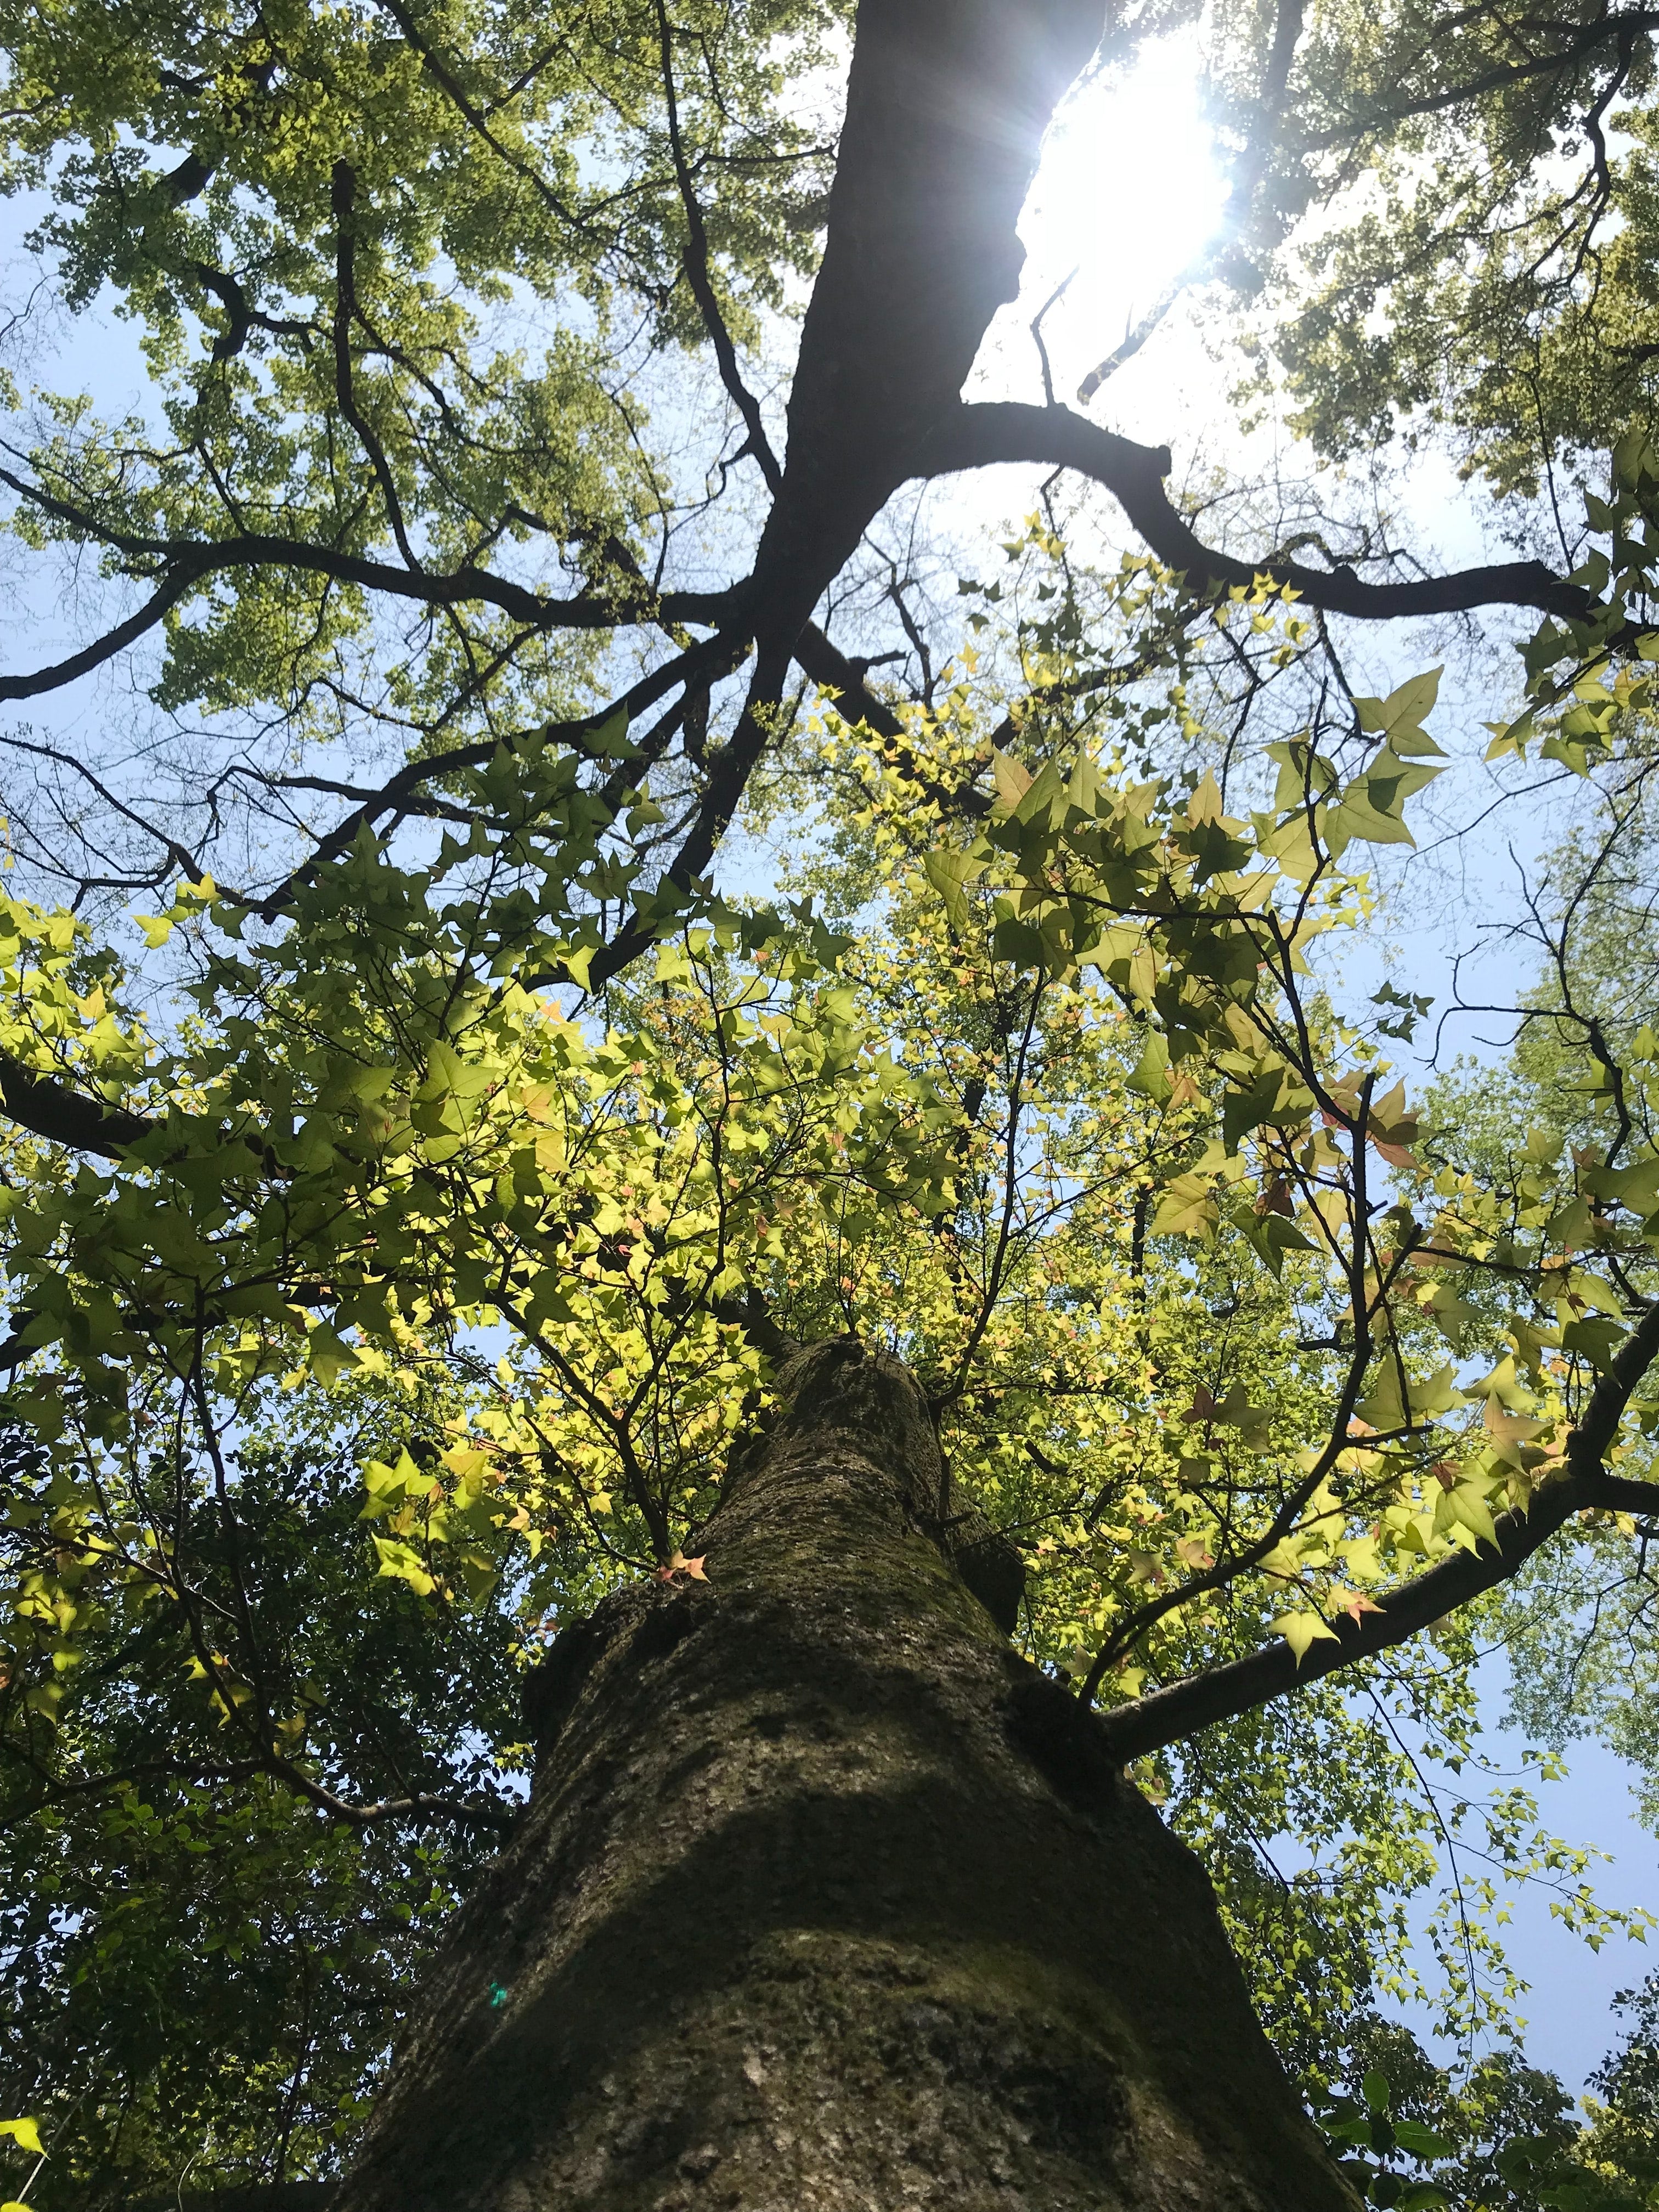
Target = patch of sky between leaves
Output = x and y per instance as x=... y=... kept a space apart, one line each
x=1570 y=2024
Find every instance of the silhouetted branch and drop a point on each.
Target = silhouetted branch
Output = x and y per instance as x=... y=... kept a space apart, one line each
x=53 y=1111
x=975 y=437
x=167 y=594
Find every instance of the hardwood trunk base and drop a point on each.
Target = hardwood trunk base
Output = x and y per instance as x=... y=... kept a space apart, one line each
x=827 y=1901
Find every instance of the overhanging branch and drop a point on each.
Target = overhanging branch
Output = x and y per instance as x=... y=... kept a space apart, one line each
x=1609 y=27
x=188 y=561
x=831 y=670
x=977 y=437
x=63 y=1116
x=1168 y=1715
x=167 y=594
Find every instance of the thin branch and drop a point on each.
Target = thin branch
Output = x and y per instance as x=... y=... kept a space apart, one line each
x=445 y=77
x=343 y=200
x=697 y=265
x=1037 y=339
x=1605 y=26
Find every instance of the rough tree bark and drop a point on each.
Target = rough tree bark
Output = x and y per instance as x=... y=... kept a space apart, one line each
x=827 y=1900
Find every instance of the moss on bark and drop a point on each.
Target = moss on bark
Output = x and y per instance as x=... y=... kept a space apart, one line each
x=826 y=1899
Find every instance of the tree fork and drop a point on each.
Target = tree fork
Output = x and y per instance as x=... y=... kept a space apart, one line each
x=825 y=1899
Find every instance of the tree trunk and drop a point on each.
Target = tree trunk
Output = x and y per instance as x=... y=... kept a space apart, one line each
x=947 y=102
x=826 y=1899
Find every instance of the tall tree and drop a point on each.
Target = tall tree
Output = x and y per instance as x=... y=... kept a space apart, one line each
x=787 y=1311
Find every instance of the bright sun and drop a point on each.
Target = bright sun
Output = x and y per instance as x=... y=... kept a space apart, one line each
x=1128 y=191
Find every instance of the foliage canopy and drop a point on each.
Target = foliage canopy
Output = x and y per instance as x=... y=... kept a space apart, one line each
x=401 y=1224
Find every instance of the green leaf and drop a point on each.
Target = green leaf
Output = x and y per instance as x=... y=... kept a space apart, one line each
x=1042 y=797
x=26 y=2134
x=1188 y=1208
x=950 y=873
x=1151 y=1078
x=1357 y=821
x=609 y=741
x=1635 y=1187
x=1013 y=780
x=328 y=1356
x=1596 y=1340
x=1436 y=1394
x=1467 y=1503
x=1400 y=717
x=404 y=1564
x=1247 y=1109
x=1384 y=1409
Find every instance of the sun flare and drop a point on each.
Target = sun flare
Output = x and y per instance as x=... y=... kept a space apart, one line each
x=1127 y=193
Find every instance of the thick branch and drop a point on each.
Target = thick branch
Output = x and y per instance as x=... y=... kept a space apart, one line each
x=167 y=594
x=728 y=779
x=752 y=1314
x=831 y=670
x=1168 y=1715
x=947 y=101
x=63 y=1116
x=946 y=104
x=976 y=437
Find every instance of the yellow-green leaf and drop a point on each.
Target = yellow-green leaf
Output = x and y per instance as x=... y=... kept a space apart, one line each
x=1299 y=1630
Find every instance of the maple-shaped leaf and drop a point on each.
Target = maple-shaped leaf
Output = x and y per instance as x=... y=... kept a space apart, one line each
x=1299 y=1630
x=1394 y=1128
x=1511 y=1428
x=1276 y=1198
x=1397 y=1156
x=1236 y=1411
x=680 y=1564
